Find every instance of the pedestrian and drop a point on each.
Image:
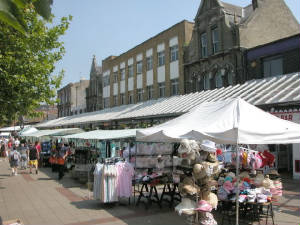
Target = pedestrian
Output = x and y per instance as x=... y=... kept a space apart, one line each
x=3 y=150
x=62 y=154
x=39 y=148
x=14 y=159
x=33 y=159
x=24 y=155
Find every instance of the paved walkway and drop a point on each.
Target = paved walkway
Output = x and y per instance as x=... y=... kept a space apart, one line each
x=41 y=199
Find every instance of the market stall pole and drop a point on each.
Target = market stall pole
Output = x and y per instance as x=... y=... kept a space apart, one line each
x=232 y=121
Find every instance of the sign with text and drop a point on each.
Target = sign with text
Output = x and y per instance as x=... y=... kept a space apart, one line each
x=291 y=116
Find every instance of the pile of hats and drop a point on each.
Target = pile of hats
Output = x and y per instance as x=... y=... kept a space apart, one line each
x=258 y=189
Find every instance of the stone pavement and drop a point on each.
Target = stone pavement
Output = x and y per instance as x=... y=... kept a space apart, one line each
x=42 y=199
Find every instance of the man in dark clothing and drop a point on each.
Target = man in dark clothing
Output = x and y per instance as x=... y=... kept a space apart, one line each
x=33 y=158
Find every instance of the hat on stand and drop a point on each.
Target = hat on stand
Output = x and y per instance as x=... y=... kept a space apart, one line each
x=208 y=146
x=187 y=206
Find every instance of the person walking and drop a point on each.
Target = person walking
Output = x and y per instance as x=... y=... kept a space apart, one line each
x=24 y=156
x=33 y=158
x=14 y=159
x=62 y=154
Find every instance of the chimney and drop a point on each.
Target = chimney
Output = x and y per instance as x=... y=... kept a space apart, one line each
x=254 y=4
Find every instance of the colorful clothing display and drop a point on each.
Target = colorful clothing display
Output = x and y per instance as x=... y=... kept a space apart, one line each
x=112 y=181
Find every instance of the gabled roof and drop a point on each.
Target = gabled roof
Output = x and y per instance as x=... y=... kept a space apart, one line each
x=272 y=90
x=232 y=9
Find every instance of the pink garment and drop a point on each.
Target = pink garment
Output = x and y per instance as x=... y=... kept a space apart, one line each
x=125 y=173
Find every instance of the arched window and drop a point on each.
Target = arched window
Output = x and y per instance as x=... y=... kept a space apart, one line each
x=219 y=79
x=206 y=82
x=230 y=78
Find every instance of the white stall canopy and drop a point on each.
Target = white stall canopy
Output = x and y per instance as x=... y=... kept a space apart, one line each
x=54 y=132
x=28 y=130
x=226 y=122
x=104 y=135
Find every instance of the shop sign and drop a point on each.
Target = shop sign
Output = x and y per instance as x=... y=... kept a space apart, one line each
x=291 y=116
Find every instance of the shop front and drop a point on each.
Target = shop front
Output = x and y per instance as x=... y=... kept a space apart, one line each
x=288 y=156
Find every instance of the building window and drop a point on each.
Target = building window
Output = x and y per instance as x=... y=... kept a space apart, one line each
x=204 y=45
x=219 y=79
x=115 y=100
x=106 y=81
x=140 y=95
x=161 y=58
x=150 y=92
x=122 y=71
x=174 y=53
x=139 y=67
x=273 y=66
x=149 y=63
x=115 y=77
x=105 y=102
x=122 y=99
x=215 y=40
x=174 y=87
x=162 y=90
x=130 y=97
x=230 y=78
x=206 y=82
x=130 y=71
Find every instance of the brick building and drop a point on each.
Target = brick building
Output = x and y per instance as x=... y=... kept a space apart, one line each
x=151 y=70
x=216 y=56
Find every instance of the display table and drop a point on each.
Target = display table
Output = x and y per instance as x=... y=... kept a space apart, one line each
x=250 y=211
x=149 y=192
x=171 y=190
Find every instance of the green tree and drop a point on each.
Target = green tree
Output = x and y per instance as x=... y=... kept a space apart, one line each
x=26 y=65
x=11 y=11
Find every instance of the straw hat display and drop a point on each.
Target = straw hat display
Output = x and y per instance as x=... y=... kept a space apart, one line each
x=212 y=199
x=199 y=171
x=187 y=206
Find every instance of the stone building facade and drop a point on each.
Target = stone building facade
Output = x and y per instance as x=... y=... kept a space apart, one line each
x=216 y=56
x=94 y=90
x=72 y=98
x=151 y=70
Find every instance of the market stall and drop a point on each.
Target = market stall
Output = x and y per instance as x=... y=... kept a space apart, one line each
x=46 y=137
x=97 y=146
x=233 y=122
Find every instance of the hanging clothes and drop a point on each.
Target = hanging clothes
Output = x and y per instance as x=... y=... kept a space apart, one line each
x=97 y=181
x=125 y=172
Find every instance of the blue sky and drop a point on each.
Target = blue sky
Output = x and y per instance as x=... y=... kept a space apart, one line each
x=104 y=28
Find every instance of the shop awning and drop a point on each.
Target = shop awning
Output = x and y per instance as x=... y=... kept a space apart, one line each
x=225 y=122
x=11 y=129
x=272 y=90
x=104 y=135
x=55 y=132
x=28 y=130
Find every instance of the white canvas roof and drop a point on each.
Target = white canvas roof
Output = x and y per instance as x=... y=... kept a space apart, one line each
x=225 y=122
x=54 y=132
x=11 y=129
x=103 y=134
x=270 y=90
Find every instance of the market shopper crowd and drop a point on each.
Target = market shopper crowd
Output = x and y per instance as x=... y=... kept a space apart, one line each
x=22 y=154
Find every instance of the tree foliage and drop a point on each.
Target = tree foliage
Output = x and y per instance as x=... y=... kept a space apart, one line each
x=26 y=65
x=11 y=12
